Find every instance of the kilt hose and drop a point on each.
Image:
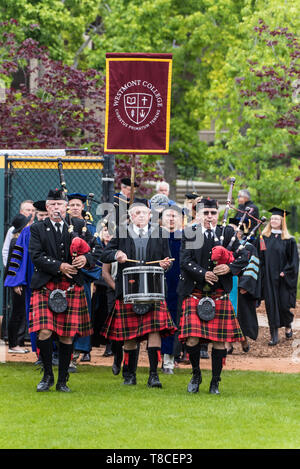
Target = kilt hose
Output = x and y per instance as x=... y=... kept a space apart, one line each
x=223 y=328
x=125 y=324
x=75 y=320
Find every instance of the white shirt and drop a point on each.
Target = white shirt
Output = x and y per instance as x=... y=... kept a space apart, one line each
x=54 y=225
x=138 y=231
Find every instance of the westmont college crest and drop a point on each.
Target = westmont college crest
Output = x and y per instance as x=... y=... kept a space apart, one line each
x=138 y=97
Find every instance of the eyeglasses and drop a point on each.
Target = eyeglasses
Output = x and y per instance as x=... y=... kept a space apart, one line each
x=212 y=212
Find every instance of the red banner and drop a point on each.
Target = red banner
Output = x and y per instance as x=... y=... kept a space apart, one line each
x=138 y=103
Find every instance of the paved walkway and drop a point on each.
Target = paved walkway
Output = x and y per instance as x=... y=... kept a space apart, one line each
x=263 y=321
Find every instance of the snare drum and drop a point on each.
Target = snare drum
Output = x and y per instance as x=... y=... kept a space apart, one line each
x=143 y=284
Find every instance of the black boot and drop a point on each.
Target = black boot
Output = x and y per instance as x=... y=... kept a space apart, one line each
x=64 y=353
x=117 y=349
x=194 y=354
x=274 y=336
x=130 y=359
x=47 y=381
x=217 y=357
x=153 y=381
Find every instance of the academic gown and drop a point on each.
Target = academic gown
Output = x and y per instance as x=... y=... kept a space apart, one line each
x=249 y=280
x=172 y=278
x=278 y=292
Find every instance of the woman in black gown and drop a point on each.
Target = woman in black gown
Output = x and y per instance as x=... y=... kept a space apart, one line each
x=279 y=266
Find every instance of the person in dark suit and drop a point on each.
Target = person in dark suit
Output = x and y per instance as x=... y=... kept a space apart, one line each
x=54 y=268
x=138 y=241
x=244 y=201
x=201 y=279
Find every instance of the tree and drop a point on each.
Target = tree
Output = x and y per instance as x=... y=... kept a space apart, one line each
x=54 y=112
x=259 y=111
x=65 y=27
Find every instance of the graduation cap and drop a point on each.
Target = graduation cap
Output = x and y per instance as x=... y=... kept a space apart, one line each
x=57 y=194
x=192 y=196
x=19 y=222
x=279 y=211
x=40 y=205
x=127 y=182
x=78 y=196
x=142 y=202
x=235 y=222
x=209 y=203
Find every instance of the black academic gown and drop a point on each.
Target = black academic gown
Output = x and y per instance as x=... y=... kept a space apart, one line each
x=278 y=292
x=249 y=280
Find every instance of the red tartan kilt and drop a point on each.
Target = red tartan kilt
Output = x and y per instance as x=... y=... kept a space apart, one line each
x=124 y=324
x=75 y=320
x=223 y=328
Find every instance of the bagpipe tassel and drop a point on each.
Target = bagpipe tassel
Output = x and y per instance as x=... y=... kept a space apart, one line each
x=262 y=244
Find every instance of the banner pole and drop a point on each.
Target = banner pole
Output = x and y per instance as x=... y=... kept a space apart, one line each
x=132 y=177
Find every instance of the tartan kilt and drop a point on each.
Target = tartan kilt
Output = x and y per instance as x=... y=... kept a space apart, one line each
x=124 y=324
x=223 y=328
x=75 y=320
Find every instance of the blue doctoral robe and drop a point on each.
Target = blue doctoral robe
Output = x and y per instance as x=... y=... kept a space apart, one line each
x=172 y=278
x=19 y=272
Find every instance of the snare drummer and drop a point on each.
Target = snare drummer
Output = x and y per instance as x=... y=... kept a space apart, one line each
x=143 y=243
x=199 y=279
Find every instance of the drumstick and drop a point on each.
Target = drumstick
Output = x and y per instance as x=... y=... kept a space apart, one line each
x=161 y=260
x=132 y=260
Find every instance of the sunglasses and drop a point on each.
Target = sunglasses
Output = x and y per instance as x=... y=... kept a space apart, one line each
x=212 y=212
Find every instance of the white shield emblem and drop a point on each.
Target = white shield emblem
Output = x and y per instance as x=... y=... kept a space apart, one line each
x=137 y=106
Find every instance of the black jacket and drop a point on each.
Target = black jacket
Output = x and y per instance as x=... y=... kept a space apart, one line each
x=45 y=255
x=157 y=249
x=192 y=267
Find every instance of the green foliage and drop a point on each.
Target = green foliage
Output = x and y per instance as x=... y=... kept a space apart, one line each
x=59 y=25
x=254 y=410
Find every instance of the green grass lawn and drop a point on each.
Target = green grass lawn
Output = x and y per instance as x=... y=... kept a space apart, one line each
x=254 y=410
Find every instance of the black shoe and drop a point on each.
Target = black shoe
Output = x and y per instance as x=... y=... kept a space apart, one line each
x=62 y=387
x=214 y=386
x=46 y=383
x=115 y=369
x=153 y=381
x=230 y=350
x=195 y=382
x=289 y=335
x=86 y=357
x=204 y=354
x=130 y=379
x=274 y=337
x=107 y=353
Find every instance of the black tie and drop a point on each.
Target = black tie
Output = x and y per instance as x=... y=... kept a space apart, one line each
x=58 y=232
